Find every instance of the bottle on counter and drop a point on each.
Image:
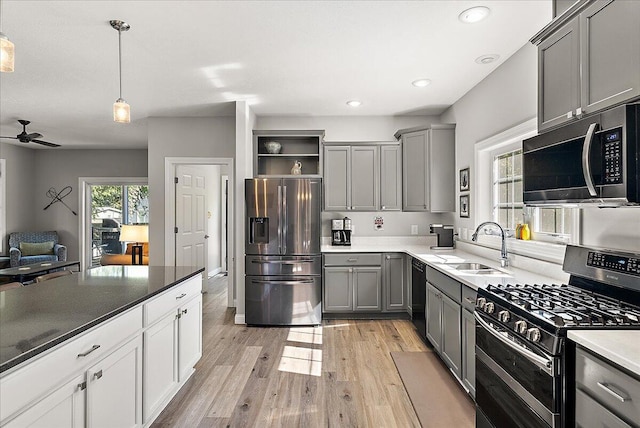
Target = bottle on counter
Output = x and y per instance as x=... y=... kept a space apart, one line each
x=518 y=232
x=525 y=232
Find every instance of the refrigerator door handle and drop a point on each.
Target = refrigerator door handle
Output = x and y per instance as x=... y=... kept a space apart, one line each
x=283 y=223
x=279 y=219
x=281 y=281
x=283 y=262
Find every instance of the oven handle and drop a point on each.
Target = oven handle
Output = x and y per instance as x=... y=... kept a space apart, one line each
x=586 y=167
x=542 y=363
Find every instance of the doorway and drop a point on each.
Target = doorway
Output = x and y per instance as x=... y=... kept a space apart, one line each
x=221 y=239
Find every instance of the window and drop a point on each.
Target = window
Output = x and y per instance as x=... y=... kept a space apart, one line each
x=547 y=224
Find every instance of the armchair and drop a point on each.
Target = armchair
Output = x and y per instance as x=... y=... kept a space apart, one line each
x=35 y=247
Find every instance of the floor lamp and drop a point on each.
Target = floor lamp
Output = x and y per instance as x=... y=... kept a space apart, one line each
x=138 y=233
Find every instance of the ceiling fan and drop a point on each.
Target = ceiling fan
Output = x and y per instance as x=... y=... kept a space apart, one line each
x=23 y=137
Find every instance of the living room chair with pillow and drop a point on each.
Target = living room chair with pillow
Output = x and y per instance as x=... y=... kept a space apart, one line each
x=35 y=247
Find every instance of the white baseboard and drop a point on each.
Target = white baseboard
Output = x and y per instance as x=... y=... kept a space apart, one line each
x=240 y=319
x=215 y=272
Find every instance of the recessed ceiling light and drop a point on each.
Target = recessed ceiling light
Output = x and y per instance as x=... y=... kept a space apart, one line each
x=474 y=14
x=354 y=103
x=487 y=59
x=421 y=83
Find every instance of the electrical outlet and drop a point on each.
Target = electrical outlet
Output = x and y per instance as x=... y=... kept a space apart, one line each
x=414 y=229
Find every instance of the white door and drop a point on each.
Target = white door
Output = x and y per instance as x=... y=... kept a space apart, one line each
x=191 y=216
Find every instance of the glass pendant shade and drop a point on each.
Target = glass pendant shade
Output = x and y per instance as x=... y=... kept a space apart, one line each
x=6 y=54
x=121 y=111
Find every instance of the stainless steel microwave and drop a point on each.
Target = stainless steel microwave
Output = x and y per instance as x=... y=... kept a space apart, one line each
x=595 y=160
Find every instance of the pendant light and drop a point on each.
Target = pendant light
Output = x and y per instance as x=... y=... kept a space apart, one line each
x=6 y=49
x=121 y=110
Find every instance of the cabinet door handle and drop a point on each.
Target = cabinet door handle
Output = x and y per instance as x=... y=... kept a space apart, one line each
x=84 y=354
x=570 y=114
x=469 y=300
x=97 y=375
x=615 y=394
x=82 y=386
x=184 y=312
x=579 y=112
x=384 y=207
x=181 y=296
x=350 y=270
x=352 y=260
x=388 y=257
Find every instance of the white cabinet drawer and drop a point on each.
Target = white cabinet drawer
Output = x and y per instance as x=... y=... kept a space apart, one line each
x=27 y=384
x=171 y=299
x=613 y=388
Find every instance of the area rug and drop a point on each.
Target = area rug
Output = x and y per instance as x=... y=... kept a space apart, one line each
x=438 y=399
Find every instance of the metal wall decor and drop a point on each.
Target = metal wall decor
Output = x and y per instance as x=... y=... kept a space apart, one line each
x=59 y=196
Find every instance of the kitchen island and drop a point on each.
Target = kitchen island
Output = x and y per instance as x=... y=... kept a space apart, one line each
x=71 y=349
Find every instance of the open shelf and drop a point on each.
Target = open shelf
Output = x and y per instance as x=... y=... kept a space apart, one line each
x=296 y=146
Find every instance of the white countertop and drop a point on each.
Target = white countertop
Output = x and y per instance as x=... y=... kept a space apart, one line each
x=619 y=346
x=446 y=260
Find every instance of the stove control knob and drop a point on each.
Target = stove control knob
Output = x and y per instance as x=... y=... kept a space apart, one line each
x=489 y=308
x=504 y=316
x=521 y=327
x=533 y=334
x=481 y=302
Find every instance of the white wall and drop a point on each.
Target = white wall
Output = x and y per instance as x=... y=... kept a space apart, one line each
x=180 y=137
x=508 y=97
x=213 y=217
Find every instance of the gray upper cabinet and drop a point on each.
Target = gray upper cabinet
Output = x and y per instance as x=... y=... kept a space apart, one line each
x=559 y=76
x=295 y=146
x=365 y=179
x=428 y=168
x=337 y=178
x=610 y=54
x=351 y=178
x=588 y=60
x=391 y=177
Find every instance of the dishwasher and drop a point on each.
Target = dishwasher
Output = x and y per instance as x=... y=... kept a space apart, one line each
x=419 y=296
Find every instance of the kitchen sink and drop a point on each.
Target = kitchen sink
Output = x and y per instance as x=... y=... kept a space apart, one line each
x=476 y=268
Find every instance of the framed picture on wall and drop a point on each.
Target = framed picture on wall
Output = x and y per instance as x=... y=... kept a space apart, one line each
x=464 y=180
x=464 y=205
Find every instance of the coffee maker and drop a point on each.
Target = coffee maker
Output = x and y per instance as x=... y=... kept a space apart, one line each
x=341 y=231
x=444 y=236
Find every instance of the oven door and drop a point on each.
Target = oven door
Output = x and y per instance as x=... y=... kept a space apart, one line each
x=516 y=383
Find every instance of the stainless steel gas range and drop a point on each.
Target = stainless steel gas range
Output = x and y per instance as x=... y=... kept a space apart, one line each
x=524 y=363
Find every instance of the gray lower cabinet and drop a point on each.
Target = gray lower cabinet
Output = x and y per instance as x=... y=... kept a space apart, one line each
x=434 y=316
x=367 y=282
x=352 y=283
x=451 y=348
x=469 y=351
x=588 y=62
x=394 y=285
x=605 y=395
x=351 y=178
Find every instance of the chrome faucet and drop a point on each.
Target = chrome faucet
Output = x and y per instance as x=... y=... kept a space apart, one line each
x=504 y=261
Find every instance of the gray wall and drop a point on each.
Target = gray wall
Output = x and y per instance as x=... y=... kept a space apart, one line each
x=20 y=184
x=508 y=97
x=32 y=172
x=180 y=137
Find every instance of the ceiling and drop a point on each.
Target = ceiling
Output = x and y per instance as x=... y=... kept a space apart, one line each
x=291 y=58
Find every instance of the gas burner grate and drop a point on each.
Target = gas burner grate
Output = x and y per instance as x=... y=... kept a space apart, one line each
x=568 y=306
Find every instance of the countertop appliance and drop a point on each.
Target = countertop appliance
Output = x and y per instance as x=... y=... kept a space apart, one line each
x=525 y=366
x=283 y=263
x=419 y=296
x=595 y=160
x=444 y=236
x=341 y=231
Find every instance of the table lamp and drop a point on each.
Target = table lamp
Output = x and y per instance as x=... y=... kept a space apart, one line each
x=138 y=233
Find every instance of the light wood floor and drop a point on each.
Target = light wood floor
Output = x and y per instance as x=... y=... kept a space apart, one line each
x=340 y=374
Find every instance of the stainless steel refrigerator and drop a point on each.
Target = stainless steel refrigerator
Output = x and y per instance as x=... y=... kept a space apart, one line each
x=283 y=264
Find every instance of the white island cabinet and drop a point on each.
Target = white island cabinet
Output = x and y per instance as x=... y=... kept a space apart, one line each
x=120 y=373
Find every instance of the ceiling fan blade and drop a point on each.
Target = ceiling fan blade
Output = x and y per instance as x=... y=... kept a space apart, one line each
x=33 y=136
x=11 y=138
x=45 y=143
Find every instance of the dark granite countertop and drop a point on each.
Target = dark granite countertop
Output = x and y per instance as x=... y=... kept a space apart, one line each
x=37 y=317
